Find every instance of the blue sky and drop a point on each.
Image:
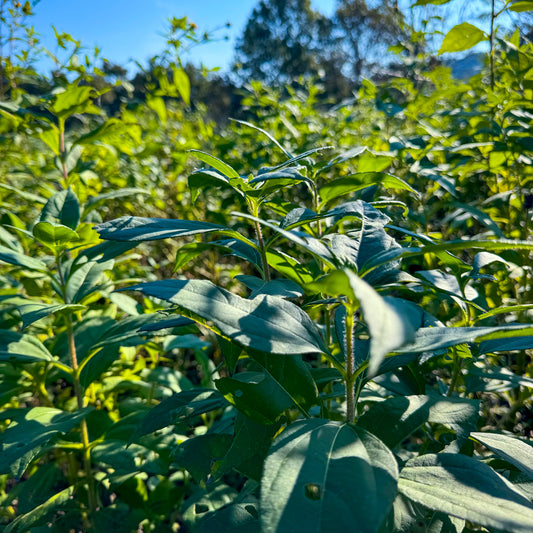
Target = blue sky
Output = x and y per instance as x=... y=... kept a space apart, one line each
x=131 y=29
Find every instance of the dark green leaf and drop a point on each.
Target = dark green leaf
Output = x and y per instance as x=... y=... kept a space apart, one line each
x=517 y=452
x=15 y=258
x=33 y=312
x=322 y=476
x=179 y=407
x=62 y=207
x=41 y=515
x=26 y=438
x=465 y=487
x=396 y=418
x=266 y=323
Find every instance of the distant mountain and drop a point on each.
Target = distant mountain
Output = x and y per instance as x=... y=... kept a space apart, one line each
x=466 y=67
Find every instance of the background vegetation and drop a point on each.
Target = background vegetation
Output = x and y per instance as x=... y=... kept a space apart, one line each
x=327 y=316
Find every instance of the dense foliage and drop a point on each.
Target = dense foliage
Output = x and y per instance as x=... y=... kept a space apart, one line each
x=317 y=318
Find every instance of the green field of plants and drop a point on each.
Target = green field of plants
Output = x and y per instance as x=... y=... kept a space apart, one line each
x=312 y=315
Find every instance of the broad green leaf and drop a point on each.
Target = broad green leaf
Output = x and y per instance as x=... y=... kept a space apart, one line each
x=84 y=280
x=198 y=454
x=33 y=312
x=396 y=418
x=266 y=323
x=205 y=501
x=466 y=488
x=54 y=234
x=521 y=6
x=149 y=229
x=204 y=179
x=249 y=448
x=233 y=518
x=257 y=395
x=40 y=486
x=389 y=328
x=26 y=438
x=468 y=244
x=74 y=100
x=356 y=182
x=483 y=259
x=301 y=156
x=323 y=476
x=462 y=37
x=179 y=407
x=283 y=288
x=62 y=207
x=437 y=338
x=15 y=258
x=182 y=84
x=15 y=347
x=216 y=163
x=515 y=451
x=41 y=515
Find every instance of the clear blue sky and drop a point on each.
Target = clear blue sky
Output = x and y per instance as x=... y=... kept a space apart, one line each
x=131 y=29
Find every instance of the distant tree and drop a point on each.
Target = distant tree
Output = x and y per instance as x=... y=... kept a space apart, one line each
x=283 y=39
x=366 y=32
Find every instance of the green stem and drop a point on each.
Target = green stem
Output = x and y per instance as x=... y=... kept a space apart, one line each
x=457 y=364
x=491 y=58
x=350 y=368
x=261 y=242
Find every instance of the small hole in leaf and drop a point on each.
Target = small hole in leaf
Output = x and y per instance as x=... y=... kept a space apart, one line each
x=201 y=508
x=238 y=393
x=252 y=510
x=313 y=491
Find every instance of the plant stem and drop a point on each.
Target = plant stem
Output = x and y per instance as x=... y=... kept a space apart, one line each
x=350 y=368
x=86 y=443
x=491 y=58
x=261 y=242
x=457 y=364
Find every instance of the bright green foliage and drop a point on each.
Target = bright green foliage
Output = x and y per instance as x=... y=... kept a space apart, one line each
x=316 y=329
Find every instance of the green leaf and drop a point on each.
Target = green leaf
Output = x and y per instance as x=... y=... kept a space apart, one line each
x=216 y=163
x=204 y=179
x=462 y=37
x=84 y=280
x=515 y=451
x=396 y=418
x=33 y=312
x=322 y=476
x=521 y=6
x=388 y=326
x=74 y=100
x=466 y=488
x=257 y=395
x=27 y=437
x=54 y=234
x=437 y=338
x=15 y=347
x=504 y=309
x=283 y=288
x=41 y=515
x=249 y=448
x=356 y=182
x=15 y=258
x=179 y=407
x=233 y=518
x=149 y=229
x=266 y=323
x=198 y=454
x=62 y=207
x=182 y=84
x=432 y=2
x=468 y=244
